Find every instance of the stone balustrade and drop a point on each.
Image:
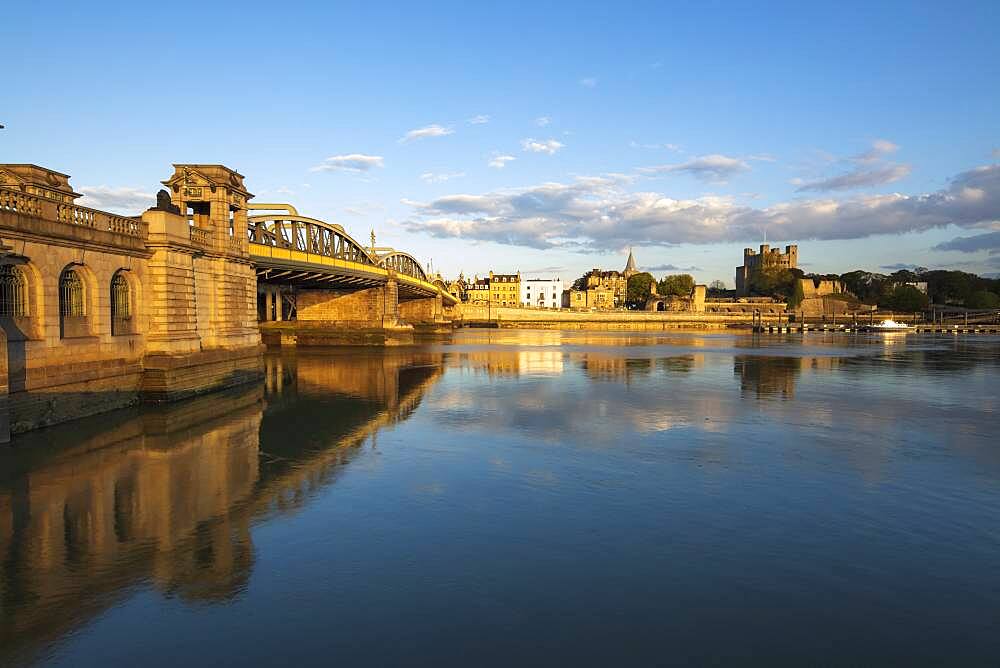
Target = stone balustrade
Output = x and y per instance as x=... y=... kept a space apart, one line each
x=15 y=201
x=200 y=237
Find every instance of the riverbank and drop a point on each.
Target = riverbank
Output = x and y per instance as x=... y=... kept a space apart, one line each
x=523 y=318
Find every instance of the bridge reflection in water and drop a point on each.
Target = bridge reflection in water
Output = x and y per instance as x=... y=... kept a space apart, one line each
x=166 y=496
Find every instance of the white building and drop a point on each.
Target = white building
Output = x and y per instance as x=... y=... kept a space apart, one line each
x=541 y=292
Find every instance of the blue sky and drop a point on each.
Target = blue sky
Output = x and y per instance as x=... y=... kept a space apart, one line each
x=541 y=137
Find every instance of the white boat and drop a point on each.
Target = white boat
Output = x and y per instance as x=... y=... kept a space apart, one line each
x=888 y=326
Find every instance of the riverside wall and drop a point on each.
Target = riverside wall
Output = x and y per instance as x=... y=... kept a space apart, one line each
x=509 y=317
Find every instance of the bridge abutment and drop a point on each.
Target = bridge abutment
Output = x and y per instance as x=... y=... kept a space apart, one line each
x=203 y=331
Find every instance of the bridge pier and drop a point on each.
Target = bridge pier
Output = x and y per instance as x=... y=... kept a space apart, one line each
x=271 y=296
x=425 y=313
x=366 y=308
x=328 y=317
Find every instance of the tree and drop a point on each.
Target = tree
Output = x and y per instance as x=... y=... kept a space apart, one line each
x=797 y=295
x=775 y=281
x=679 y=285
x=952 y=287
x=637 y=289
x=864 y=285
x=581 y=283
x=904 y=298
x=717 y=285
x=983 y=299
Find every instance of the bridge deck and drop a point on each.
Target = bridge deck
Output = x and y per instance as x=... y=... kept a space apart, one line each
x=315 y=270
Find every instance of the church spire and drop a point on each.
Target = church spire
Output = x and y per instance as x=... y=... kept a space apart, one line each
x=630 y=267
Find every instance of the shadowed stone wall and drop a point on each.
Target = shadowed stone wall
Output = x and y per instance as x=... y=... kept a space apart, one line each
x=418 y=311
x=369 y=308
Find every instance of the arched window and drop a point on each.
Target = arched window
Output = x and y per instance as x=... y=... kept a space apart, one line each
x=121 y=308
x=70 y=294
x=13 y=292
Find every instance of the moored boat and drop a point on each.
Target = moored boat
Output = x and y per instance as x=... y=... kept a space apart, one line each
x=888 y=326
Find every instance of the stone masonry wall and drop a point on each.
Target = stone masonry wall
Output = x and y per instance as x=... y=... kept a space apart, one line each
x=421 y=310
x=53 y=378
x=362 y=306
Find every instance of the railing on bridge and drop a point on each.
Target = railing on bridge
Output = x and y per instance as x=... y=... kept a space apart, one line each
x=307 y=235
x=199 y=236
x=401 y=263
x=16 y=201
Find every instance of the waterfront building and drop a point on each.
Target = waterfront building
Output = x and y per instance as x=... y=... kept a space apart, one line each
x=505 y=289
x=766 y=258
x=458 y=288
x=477 y=292
x=603 y=289
x=542 y=292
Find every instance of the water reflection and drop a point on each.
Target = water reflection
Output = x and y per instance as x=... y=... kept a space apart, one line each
x=166 y=496
x=763 y=377
x=456 y=489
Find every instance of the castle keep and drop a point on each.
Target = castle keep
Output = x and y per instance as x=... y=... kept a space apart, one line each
x=766 y=258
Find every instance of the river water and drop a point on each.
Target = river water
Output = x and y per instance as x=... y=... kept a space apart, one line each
x=526 y=498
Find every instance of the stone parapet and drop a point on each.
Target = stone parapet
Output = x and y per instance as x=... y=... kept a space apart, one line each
x=34 y=216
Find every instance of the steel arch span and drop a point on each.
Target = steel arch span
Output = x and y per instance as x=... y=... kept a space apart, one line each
x=288 y=248
x=308 y=235
x=401 y=263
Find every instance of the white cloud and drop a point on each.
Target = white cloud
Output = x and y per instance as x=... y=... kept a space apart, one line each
x=597 y=213
x=500 y=161
x=879 y=150
x=588 y=82
x=116 y=200
x=350 y=162
x=432 y=177
x=542 y=121
x=670 y=147
x=547 y=146
x=869 y=169
x=479 y=119
x=433 y=130
x=714 y=167
x=858 y=178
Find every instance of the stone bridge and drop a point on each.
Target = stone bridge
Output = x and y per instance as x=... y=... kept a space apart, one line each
x=100 y=310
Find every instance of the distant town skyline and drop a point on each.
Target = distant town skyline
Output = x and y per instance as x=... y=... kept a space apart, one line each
x=542 y=140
